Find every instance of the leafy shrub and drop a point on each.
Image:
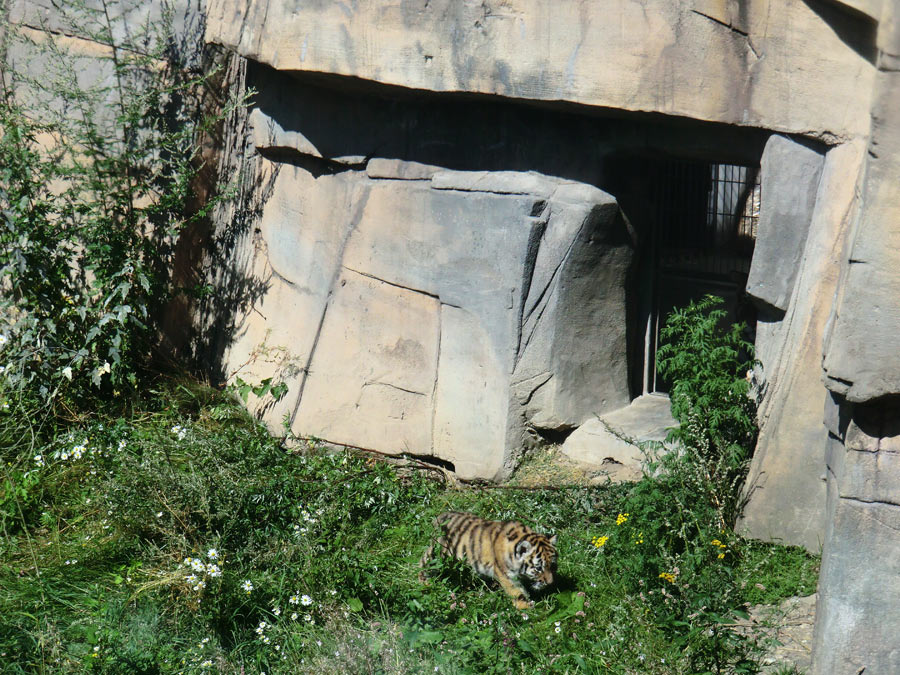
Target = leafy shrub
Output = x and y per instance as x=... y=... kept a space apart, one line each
x=94 y=185
x=706 y=365
x=675 y=528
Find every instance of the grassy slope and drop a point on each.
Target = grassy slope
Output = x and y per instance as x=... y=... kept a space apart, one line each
x=93 y=574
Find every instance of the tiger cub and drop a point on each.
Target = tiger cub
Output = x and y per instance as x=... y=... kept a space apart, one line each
x=507 y=551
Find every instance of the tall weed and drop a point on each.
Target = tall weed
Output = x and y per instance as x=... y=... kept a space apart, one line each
x=97 y=158
x=707 y=365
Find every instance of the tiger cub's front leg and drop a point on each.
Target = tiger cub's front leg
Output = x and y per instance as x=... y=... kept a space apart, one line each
x=514 y=590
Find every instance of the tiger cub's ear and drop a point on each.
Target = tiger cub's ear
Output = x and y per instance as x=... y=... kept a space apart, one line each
x=552 y=540
x=523 y=548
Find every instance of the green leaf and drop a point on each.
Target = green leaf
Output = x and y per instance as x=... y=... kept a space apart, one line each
x=525 y=646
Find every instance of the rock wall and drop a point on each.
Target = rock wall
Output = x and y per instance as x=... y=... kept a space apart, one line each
x=510 y=291
x=859 y=582
x=765 y=63
x=859 y=577
x=809 y=200
x=821 y=277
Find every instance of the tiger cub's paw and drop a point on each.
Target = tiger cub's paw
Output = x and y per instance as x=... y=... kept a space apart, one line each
x=522 y=602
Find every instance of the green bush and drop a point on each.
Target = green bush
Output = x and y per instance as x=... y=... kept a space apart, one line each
x=707 y=365
x=95 y=180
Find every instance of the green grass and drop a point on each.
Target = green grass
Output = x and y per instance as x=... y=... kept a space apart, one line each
x=94 y=579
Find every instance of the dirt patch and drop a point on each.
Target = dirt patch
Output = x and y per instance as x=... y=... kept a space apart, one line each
x=787 y=628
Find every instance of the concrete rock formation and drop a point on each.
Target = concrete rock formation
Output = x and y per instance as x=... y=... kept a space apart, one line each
x=614 y=440
x=705 y=60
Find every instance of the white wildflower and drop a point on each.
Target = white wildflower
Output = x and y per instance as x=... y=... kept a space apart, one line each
x=212 y=554
x=39 y=460
x=247 y=586
x=306 y=601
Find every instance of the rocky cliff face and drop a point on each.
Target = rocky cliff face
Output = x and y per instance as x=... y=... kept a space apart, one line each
x=433 y=312
x=756 y=63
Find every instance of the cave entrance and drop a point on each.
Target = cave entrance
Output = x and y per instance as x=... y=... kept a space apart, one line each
x=702 y=223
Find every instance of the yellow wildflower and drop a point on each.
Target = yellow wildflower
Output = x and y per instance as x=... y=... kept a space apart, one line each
x=599 y=541
x=622 y=517
x=668 y=576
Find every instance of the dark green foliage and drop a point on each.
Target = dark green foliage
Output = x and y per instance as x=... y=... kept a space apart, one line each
x=707 y=365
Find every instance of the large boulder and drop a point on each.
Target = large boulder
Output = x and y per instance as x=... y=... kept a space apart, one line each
x=412 y=309
x=614 y=442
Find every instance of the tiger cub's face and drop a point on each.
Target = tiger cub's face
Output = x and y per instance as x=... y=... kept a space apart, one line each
x=536 y=556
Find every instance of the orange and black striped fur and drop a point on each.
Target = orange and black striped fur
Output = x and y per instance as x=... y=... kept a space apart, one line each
x=507 y=551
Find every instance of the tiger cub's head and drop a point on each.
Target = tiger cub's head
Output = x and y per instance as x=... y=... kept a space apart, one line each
x=536 y=557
